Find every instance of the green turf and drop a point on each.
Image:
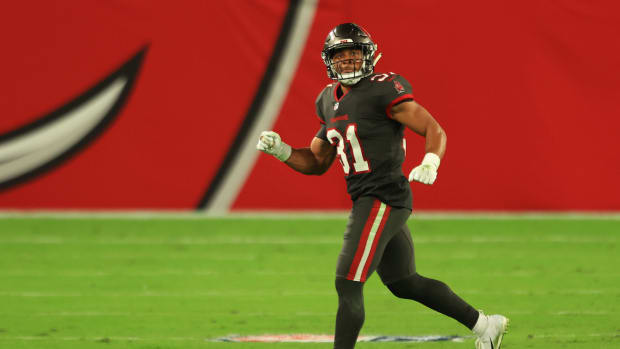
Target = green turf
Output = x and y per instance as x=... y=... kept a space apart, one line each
x=175 y=283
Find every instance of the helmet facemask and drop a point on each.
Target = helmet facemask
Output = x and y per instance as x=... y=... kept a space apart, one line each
x=352 y=78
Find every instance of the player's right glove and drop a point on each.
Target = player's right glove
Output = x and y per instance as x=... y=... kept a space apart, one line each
x=270 y=143
x=426 y=172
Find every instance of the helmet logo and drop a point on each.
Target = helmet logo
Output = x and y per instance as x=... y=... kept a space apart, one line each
x=344 y=41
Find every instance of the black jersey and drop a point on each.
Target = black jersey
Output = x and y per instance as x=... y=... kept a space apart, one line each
x=370 y=145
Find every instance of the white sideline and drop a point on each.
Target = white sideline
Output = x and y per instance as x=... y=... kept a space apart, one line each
x=284 y=215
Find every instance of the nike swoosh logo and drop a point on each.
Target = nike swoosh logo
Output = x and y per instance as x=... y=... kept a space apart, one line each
x=491 y=340
x=42 y=145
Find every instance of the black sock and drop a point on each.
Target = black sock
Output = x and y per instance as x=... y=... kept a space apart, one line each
x=350 y=317
x=437 y=296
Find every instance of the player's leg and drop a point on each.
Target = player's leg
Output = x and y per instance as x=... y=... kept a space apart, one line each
x=398 y=273
x=350 y=315
x=371 y=225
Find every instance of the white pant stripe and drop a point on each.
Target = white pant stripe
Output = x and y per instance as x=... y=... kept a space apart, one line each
x=369 y=241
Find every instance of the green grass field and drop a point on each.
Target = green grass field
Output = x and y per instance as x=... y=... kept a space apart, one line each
x=177 y=283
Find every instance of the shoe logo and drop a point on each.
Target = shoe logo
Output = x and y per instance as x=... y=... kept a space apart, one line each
x=491 y=340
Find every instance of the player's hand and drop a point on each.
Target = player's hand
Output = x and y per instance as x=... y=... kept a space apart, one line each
x=270 y=143
x=426 y=172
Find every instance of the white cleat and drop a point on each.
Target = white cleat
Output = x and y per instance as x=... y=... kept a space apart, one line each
x=494 y=333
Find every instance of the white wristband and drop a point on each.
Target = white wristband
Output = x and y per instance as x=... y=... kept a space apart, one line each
x=284 y=153
x=431 y=159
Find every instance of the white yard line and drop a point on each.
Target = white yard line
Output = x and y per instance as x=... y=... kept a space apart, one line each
x=86 y=273
x=295 y=293
x=465 y=239
x=288 y=314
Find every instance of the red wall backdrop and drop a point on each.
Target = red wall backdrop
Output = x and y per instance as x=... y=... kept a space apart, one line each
x=527 y=91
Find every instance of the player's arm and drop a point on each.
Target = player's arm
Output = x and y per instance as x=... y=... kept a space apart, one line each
x=420 y=121
x=314 y=160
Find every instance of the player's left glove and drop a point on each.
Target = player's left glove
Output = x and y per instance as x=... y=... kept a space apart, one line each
x=270 y=143
x=426 y=172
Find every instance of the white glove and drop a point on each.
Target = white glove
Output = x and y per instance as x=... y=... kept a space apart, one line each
x=427 y=171
x=270 y=143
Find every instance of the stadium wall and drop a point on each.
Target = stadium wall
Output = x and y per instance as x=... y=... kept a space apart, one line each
x=157 y=105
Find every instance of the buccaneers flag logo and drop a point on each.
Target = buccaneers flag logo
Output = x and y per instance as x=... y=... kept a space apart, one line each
x=399 y=87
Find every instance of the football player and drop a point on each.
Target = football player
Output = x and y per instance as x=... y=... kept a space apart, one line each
x=362 y=118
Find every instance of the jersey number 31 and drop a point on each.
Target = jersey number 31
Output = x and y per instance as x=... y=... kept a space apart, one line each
x=360 y=165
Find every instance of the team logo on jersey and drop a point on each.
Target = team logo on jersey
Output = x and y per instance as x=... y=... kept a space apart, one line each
x=336 y=106
x=399 y=87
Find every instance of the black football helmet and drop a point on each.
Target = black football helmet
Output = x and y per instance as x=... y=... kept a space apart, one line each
x=349 y=35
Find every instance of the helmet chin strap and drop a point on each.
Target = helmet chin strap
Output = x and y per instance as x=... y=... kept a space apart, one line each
x=354 y=77
x=350 y=78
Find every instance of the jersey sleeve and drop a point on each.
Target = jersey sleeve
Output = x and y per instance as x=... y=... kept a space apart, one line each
x=322 y=132
x=395 y=89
